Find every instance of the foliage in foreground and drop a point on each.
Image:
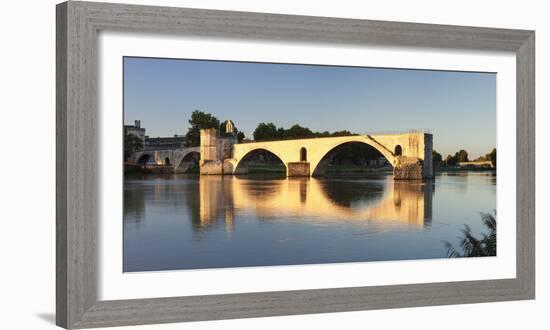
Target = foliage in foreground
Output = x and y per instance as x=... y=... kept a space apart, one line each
x=473 y=246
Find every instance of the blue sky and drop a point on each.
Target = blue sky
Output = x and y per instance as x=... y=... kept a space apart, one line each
x=459 y=108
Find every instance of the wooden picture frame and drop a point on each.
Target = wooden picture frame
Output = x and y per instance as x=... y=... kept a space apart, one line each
x=78 y=24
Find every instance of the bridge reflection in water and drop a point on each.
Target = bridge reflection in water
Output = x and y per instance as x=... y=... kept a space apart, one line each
x=328 y=201
x=189 y=222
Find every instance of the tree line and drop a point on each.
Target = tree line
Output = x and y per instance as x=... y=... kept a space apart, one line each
x=269 y=132
x=462 y=156
x=202 y=120
x=263 y=132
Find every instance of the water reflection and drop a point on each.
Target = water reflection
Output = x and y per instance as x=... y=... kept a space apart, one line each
x=134 y=206
x=189 y=222
x=217 y=199
x=327 y=200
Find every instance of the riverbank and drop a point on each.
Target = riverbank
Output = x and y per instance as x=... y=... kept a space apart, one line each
x=464 y=169
x=154 y=169
x=343 y=170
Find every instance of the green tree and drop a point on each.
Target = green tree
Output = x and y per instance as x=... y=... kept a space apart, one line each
x=266 y=132
x=450 y=161
x=270 y=132
x=281 y=134
x=240 y=137
x=298 y=132
x=199 y=120
x=462 y=156
x=341 y=133
x=132 y=144
x=436 y=157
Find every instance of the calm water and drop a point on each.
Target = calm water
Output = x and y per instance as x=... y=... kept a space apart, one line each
x=187 y=222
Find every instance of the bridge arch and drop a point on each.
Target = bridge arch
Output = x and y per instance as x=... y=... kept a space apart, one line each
x=325 y=157
x=187 y=160
x=338 y=192
x=241 y=166
x=143 y=158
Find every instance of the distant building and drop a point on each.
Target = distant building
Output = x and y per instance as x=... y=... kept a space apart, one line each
x=156 y=143
x=229 y=127
x=136 y=130
x=164 y=143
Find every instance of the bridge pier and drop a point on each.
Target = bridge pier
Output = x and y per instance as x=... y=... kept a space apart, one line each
x=409 y=168
x=216 y=153
x=298 y=169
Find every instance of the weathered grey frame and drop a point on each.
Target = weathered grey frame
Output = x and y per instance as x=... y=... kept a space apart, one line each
x=77 y=187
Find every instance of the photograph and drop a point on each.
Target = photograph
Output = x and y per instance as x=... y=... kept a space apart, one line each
x=244 y=164
x=268 y=165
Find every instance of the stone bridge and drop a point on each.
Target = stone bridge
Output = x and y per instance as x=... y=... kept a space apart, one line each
x=410 y=154
x=179 y=159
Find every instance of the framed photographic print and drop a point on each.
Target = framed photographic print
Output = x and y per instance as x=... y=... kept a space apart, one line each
x=215 y=164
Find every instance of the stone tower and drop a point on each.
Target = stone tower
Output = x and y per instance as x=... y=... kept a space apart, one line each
x=229 y=127
x=217 y=151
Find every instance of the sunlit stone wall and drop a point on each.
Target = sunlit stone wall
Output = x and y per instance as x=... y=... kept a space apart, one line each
x=214 y=151
x=298 y=169
x=399 y=149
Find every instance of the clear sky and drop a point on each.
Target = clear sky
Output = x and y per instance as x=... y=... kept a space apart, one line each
x=458 y=108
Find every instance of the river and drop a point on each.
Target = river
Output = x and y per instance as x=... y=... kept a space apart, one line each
x=190 y=222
